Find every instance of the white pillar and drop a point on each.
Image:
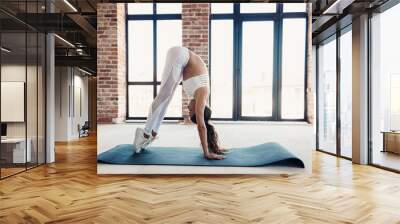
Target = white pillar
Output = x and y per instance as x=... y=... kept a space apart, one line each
x=50 y=99
x=360 y=90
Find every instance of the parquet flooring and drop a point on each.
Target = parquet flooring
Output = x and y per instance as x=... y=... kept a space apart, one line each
x=70 y=191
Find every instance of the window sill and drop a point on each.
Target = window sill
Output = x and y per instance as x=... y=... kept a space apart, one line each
x=294 y=123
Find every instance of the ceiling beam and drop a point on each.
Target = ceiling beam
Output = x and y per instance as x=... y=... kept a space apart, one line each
x=82 y=61
x=337 y=7
x=86 y=26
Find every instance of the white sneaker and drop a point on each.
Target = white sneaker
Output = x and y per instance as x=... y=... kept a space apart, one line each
x=140 y=141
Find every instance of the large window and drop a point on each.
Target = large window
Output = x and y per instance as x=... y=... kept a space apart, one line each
x=334 y=94
x=152 y=30
x=256 y=51
x=385 y=89
x=257 y=61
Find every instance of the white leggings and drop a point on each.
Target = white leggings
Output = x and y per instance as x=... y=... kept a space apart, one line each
x=176 y=60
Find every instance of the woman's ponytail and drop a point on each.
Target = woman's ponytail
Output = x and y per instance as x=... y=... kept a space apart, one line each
x=212 y=136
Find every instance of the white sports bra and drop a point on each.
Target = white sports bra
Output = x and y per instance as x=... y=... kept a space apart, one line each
x=192 y=84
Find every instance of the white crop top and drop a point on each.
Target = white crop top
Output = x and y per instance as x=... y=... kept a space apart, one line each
x=192 y=84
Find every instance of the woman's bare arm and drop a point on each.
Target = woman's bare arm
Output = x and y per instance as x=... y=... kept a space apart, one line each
x=201 y=101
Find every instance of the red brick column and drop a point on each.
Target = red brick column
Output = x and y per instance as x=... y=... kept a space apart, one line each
x=111 y=76
x=194 y=36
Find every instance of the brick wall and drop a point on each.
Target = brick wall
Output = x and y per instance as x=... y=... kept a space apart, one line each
x=194 y=36
x=111 y=74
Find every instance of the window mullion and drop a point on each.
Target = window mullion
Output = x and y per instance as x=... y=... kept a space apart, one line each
x=237 y=90
x=277 y=83
x=154 y=50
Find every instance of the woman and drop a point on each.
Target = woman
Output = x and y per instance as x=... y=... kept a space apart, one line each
x=182 y=64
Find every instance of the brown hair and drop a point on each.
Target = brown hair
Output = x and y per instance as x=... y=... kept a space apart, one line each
x=212 y=136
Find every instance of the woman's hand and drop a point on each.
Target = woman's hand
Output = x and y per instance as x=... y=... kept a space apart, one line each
x=214 y=156
x=222 y=151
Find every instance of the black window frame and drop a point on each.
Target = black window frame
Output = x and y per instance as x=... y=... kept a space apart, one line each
x=237 y=17
x=154 y=17
x=335 y=36
x=277 y=17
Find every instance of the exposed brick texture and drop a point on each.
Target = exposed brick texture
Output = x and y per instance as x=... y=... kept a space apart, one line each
x=111 y=78
x=195 y=37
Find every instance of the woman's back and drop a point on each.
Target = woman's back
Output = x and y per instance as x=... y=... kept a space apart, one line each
x=194 y=67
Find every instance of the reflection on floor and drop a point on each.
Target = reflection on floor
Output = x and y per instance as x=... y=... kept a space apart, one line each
x=70 y=191
x=387 y=159
x=11 y=169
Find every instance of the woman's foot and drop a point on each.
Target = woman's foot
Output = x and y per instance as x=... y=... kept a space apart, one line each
x=151 y=138
x=140 y=141
x=222 y=151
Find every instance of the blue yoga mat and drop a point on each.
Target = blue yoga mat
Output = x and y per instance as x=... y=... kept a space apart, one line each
x=259 y=155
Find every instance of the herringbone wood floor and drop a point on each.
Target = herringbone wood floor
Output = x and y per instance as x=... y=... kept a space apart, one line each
x=70 y=191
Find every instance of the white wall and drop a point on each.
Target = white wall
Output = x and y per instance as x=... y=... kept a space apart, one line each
x=61 y=103
x=79 y=117
x=70 y=84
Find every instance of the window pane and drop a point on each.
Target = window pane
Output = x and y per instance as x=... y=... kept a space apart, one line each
x=221 y=8
x=385 y=93
x=169 y=34
x=222 y=68
x=294 y=7
x=346 y=93
x=169 y=8
x=257 y=68
x=140 y=99
x=293 y=68
x=140 y=8
x=327 y=97
x=257 y=7
x=140 y=44
x=175 y=106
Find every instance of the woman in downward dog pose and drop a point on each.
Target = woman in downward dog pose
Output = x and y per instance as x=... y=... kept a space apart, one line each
x=182 y=64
